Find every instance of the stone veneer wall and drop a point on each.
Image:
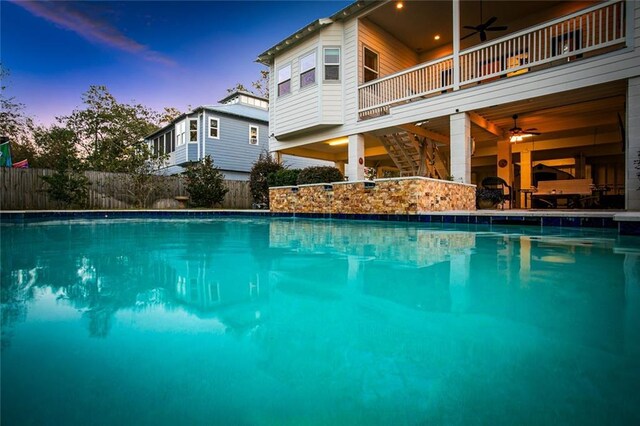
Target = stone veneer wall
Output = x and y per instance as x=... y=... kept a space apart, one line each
x=411 y=195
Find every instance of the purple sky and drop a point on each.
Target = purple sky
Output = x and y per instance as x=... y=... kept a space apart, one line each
x=158 y=53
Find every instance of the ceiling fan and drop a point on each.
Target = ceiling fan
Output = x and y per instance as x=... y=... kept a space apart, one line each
x=517 y=133
x=483 y=28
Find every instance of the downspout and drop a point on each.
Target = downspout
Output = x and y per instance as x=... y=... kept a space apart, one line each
x=456 y=44
x=199 y=120
x=204 y=135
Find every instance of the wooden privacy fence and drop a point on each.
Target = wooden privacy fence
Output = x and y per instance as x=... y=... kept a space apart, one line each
x=24 y=189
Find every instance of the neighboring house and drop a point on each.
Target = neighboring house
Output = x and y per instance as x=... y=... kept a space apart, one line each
x=234 y=133
x=431 y=88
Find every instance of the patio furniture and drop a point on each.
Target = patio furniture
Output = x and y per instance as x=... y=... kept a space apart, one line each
x=498 y=184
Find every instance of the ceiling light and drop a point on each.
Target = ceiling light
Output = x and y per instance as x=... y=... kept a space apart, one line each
x=399 y=5
x=339 y=141
x=436 y=37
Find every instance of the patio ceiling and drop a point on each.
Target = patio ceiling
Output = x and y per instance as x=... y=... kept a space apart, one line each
x=418 y=22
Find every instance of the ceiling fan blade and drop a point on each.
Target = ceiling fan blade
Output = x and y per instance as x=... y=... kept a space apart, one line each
x=470 y=27
x=533 y=129
x=490 y=21
x=500 y=28
x=469 y=35
x=483 y=36
x=533 y=133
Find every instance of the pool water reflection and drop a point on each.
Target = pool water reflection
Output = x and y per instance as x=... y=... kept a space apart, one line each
x=249 y=321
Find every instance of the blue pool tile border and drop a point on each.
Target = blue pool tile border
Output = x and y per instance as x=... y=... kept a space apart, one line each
x=625 y=227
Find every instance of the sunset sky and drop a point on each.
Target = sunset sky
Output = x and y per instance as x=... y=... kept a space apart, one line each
x=158 y=53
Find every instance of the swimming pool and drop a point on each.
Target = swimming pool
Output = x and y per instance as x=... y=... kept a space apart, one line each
x=289 y=321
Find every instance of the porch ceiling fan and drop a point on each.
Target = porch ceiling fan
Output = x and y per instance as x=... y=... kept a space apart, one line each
x=517 y=133
x=484 y=27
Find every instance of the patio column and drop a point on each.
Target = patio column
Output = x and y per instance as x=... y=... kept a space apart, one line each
x=456 y=44
x=632 y=137
x=460 y=126
x=355 y=167
x=276 y=156
x=526 y=172
x=505 y=164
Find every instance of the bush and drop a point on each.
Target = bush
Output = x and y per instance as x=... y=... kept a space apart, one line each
x=283 y=177
x=258 y=183
x=205 y=184
x=319 y=174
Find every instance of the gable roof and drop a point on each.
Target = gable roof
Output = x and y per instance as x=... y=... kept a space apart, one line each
x=359 y=6
x=243 y=111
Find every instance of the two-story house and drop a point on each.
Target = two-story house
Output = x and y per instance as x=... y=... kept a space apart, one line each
x=234 y=133
x=463 y=90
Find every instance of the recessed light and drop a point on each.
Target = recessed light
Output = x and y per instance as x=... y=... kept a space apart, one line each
x=399 y=5
x=436 y=37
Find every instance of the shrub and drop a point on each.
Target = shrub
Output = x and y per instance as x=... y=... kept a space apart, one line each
x=319 y=174
x=283 y=177
x=205 y=184
x=258 y=183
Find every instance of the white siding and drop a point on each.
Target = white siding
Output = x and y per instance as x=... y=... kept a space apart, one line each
x=331 y=96
x=393 y=55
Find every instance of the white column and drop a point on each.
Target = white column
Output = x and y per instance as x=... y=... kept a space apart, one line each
x=276 y=156
x=456 y=44
x=460 y=147
x=632 y=137
x=355 y=167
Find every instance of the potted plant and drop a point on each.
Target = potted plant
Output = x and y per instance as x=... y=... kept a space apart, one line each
x=488 y=198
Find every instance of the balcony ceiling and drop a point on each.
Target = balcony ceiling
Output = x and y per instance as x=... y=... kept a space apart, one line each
x=418 y=22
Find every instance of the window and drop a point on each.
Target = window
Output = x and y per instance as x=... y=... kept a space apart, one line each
x=331 y=63
x=180 y=133
x=253 y=135
x=370 y=64
x=284 y=80
x=214 y=128
x=193 y=130
x=308 y=69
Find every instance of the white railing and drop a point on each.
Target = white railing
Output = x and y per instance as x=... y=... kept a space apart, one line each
x=568 y=37
x=564 y=38
x=431 y=77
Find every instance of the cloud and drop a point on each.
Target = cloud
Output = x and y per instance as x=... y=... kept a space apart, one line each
x=69 y=18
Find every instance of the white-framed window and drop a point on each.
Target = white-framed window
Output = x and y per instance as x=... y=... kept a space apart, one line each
x=193 y=130
x=371 y=64
x=214 y=128
x=180 y=133
x=253 y=135
x=284 y=80
x=308 y=69
x=331 y=57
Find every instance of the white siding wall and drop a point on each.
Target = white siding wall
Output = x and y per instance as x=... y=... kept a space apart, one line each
x=331 y=94
x=300 y=108
x=393 y=55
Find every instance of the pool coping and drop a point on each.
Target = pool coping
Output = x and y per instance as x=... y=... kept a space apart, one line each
x=626 y=222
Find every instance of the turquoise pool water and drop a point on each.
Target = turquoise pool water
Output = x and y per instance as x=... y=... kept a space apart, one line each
x=288 y=321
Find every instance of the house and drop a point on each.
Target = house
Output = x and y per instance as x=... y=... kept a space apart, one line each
x=234 y=133
x=464 y=90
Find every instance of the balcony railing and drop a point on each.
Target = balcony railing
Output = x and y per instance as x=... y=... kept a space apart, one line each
x=560 y=40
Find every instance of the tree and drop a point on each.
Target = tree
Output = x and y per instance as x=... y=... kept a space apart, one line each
x=238 y=87
x=258 y=178
x=261 y=85
x=143 y=184
x=15 y=124
x=111 y=134
x=168 y=115
x=68 y=183
x=205 y=184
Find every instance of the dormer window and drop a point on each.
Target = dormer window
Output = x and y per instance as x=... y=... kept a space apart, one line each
x=284 y=80
x=308 y=69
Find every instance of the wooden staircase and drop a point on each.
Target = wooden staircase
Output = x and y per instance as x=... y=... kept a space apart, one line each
x=414 y=156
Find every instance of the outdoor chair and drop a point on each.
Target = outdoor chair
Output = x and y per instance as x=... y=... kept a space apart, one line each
x=499 y=185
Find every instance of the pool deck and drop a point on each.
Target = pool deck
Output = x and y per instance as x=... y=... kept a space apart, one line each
x=626 y=222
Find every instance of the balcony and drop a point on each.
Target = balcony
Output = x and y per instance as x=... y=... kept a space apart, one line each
x=585 y=33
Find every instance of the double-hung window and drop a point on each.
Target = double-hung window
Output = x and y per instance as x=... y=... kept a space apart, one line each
x=331 y=63
x=193 y=130
x=371 y=65
x=284 y=80
x=214 y=128
x=308 y=69
x=180 y=131
x=253 y=135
